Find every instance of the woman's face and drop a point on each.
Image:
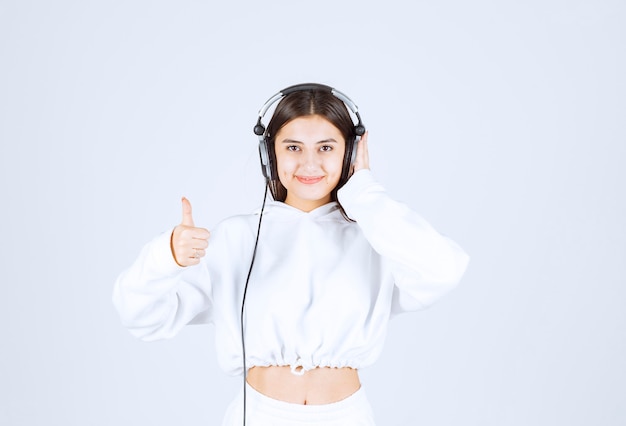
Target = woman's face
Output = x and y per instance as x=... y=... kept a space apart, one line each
x=309 y=155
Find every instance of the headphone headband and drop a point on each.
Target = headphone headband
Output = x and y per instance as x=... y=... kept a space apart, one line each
x=259 y=128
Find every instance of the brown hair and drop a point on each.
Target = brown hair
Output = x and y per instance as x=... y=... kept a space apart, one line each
x=306 y=103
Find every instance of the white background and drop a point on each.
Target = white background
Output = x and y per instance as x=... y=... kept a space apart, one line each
x=501 y=122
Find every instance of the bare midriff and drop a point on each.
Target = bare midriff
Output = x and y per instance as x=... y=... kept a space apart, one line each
x=315 y=387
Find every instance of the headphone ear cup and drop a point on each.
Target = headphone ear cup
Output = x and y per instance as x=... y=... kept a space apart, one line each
x=265 y=158
x=348 y=160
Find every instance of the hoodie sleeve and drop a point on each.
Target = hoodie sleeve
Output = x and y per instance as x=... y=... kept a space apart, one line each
x=424 y=264
x=156 y=297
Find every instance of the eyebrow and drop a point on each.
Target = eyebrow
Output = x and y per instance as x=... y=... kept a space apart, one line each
x=331 y=140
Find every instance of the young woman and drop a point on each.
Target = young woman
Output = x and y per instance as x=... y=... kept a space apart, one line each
x=321 y=269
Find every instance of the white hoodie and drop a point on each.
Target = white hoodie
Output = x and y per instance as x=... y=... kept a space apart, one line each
x=322 y=288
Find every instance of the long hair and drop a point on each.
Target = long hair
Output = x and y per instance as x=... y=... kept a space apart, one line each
x=307 y=103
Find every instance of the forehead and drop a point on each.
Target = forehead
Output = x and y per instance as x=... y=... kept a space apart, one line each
x=310 y=128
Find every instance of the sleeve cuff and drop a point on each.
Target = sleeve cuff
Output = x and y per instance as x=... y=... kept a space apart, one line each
x=162 y=256
x=361 y=182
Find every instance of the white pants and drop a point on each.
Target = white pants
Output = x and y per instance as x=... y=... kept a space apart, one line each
x=262 y=410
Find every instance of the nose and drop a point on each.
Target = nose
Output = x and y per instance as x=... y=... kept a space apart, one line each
x=310 y=161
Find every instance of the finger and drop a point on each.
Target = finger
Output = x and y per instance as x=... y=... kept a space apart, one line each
x=198 y=253
x=362 y=155
x=364 y=140
x=363 y=144
x=186 y=238
x=200 y=234
x=187 y=217
x=199 y=243
x=192 y=261
x=194 y=256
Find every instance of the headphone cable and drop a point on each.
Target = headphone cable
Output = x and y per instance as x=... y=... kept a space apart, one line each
x=243 y=303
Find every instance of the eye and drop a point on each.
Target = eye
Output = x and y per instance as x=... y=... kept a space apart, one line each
x=293 y=148
x=326 y=148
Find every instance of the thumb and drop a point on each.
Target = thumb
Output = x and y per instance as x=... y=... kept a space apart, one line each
x=187 y=218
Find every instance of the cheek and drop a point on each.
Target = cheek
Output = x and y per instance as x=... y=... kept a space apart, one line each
x=284 y=164
x=337 y=164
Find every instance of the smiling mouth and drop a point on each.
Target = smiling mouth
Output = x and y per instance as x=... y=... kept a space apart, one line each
x=309 y=180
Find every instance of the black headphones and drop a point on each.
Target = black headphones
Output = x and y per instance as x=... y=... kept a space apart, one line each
x=264 y=149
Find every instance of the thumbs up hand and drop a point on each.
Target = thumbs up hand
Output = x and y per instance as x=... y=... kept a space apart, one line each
x=188 y=243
